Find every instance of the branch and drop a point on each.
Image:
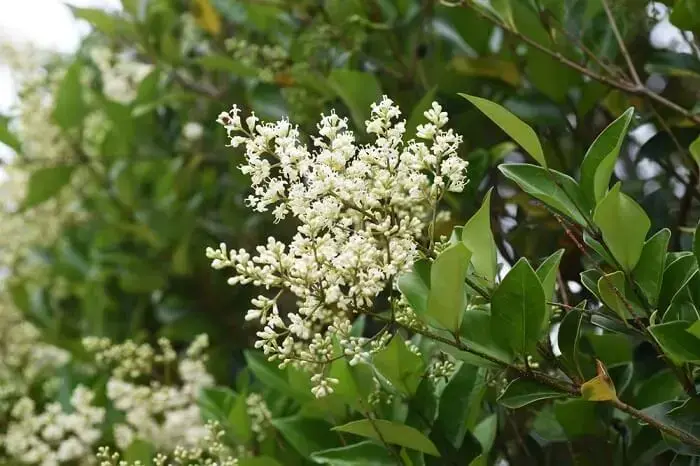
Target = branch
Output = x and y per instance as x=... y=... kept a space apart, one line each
x=624 y=86
x=621 y=44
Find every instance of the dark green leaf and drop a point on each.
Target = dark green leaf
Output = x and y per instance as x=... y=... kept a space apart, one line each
x=306 y=435
x=460 y=401
x=599 y=162
x=358 y=90
x=358 y=454
x=522 y=392
x=578 y=417
x=649 y=270
x=677 y=275
x=518 y=309
x=557 y=190
x=392 y=433
x=678 y=344
x=519 y=131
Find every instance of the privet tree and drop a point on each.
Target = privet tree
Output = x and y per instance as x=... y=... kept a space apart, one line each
x=517 y=283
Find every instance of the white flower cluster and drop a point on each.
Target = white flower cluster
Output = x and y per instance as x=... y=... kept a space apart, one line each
x=120 y=74
x=259 y=414
x=162 y=412
x=362 y=212
x=53 y=436
x=209 y=452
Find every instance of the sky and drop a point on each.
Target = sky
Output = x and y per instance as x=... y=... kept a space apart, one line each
x=48 y=24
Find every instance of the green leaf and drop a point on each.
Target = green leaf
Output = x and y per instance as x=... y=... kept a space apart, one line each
x=649 y=270
x=518 y=130
x=7 y=137
x=447 y=299
x=459 y=402
x=547 y=273
x=70 y=107
x=677 y=275
x=139 y=451
x=365 y=453
x=625 y=244
x=46 y=183
x=599 y=162
x=402 y=367
x=557 y=190
x=228 y=65
x=487 y=67
x=522 y=392
x=476 y=332
x=229 y=409
x=485 y=432
x=272 y=376
x=392 y=433
x=675 y=340
x=358 y=91
x=258 y=461
x=421 y=107
x=695 y=150
x=306 y=435
x=696 y=243
x=611 y=288
x=569 y=337
x=100 y=19
x=415 y=286
x=477 y=236
x=578 y=417
x=518 y=309
x=662 y=386
x=611 y=348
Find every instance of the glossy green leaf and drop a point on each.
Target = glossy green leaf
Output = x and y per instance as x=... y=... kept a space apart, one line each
x=677 y=274
x=556 y=190
x=522 y=392
x=599 y=162
x=392 y=433
x=447 y=299
x=569 y=338
x=611 y=289
x=611 y=348
x=306 y=435
x=402 y=367
x=358 y=90
x=649 y=270
x=476 y=332
x=358 y=454
x=415 y=286
x=518 y=130
x=625 y=244
x=676 y=342
x=45 y=183
x=477 y=236
x=518 y=309
x=661 y=386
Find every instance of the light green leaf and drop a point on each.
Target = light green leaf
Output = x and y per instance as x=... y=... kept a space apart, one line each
x=522 y=392
x=358 y=90
x=306 y=435
x=677 y=342
x=485 y=432
x=365 y=453
x=477 y=236
x=518 y=130
x=447 y=299
x=557 y=190
x=46 y=183
x=417 y=116
x=402 y=367
x=392 y=433
x=518 y=309
x=611 y=288
x=649 y=270
x=415 y=286
x=625 y=244
x=695 y=329
x=140 y=451
x=599 y=162
x=69 y=107
x=695 y=150
x=100 y=19
x=7 y=137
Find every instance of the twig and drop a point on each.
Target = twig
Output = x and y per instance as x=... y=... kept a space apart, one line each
x=621 y=44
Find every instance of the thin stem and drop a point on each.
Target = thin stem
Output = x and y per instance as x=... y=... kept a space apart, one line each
x=621 y=44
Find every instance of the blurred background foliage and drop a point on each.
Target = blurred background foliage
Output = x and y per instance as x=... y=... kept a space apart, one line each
x=126 y=178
